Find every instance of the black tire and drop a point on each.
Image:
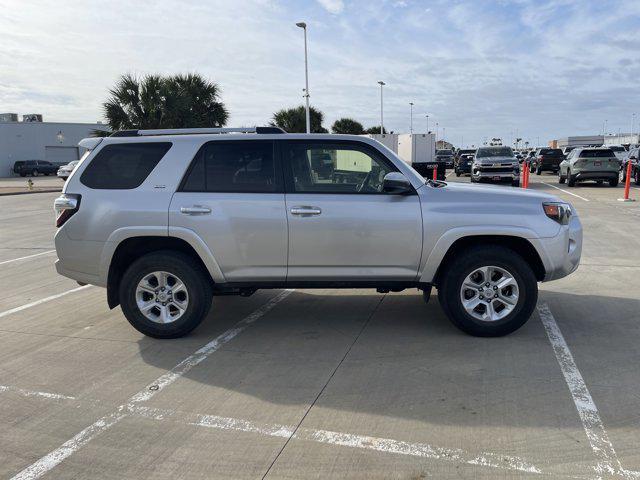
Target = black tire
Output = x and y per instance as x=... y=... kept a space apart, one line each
x=515 y=183
x=538 y=171
x=571 y=179
x=613 y=182
x=464 y=264
x=23 y=174
x=457 y=173
x=195 y=279
x=637 y=176
x=532 y=169
x=34 y=172
x=561 y=178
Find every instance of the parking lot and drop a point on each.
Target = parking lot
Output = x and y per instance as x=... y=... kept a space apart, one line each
x=323 y=383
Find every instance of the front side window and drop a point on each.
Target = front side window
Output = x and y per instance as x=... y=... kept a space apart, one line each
x=335 y=168
x=123 y=165
x=228 y=166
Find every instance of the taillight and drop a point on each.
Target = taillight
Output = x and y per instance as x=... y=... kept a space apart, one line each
x=65 y=206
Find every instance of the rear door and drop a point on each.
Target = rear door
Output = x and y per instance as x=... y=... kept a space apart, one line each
x=342 y=226
x=232 y=196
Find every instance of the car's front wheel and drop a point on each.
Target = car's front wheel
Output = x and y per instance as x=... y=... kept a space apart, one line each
x=165 y=294
x=488 y=291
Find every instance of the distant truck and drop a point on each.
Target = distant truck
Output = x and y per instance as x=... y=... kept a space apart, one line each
x=418 y=150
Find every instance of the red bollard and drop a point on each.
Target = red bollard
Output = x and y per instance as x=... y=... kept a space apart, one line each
x=524 y=167
x=627 y=184
x=435 y=173
x=525 y=175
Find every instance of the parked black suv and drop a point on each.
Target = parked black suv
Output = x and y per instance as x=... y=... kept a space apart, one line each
x=34 y=168
x=632 y=156
x=462 y=161
x=445 y=156
x=546 y=159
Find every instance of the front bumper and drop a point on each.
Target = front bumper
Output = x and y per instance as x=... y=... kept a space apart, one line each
x=561 y=254
x=495 y=176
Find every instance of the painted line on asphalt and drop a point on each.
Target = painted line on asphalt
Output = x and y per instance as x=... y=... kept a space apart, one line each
x=68 y=448
x=34 y=393
x=608 y=462
x=565 y=191
x=27 y=257
x=42 y=300
x=365 y=442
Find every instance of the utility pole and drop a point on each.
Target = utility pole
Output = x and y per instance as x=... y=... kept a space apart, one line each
x=411 y=117
x=381 y=83
x=303 y=26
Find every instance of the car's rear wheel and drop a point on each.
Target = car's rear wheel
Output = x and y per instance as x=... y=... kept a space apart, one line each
x=571 y=179
x=613 y=182
x=488 y=291
x=637 y=176
x=515 y=183
x=561 y=178
x=539 y=171
x=165 y=294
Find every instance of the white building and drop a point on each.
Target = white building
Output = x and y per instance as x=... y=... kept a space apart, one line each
x=622 y=139
x=579 y=141
x=37 y=140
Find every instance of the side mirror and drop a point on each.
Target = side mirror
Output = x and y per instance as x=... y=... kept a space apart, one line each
x=396 y=183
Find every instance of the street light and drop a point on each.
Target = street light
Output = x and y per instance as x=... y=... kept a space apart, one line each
x=303 y=26
x=427 y=123
x=436 y=134
x=381 y=83
x=411 y=117
x=633 y=123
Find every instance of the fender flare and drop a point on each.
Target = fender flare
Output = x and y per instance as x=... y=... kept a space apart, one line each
x=448 y=238
x=189 y=236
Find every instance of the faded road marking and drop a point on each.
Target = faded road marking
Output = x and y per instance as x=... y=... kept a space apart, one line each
x=27 y=257
x=41 y=301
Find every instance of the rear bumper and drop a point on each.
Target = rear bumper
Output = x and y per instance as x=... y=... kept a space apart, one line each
x=79 y=260
x=597 y=175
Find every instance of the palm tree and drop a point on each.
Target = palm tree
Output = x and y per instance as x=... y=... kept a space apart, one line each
x=347 y=126
x=293 y=120
x=375 y=130
x=154 y=101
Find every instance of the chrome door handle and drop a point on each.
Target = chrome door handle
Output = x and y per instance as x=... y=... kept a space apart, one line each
x=195 y=210
x=304 y=210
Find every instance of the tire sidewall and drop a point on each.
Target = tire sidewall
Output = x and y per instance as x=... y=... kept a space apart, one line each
x=503 y=258
x=178 y=265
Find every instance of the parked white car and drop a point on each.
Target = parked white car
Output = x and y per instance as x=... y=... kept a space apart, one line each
x=65 y=171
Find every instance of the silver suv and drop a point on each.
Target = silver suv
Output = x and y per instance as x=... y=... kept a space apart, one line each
x=495 y=164
x=165 y=220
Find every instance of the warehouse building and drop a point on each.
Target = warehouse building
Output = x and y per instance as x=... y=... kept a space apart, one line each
x=578 y=141
x=33 y=139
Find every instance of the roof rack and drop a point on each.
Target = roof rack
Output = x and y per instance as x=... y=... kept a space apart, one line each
x=195 y=131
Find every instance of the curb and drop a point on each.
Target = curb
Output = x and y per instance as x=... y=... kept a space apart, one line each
x=6 y=194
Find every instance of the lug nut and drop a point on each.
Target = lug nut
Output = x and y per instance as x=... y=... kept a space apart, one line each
x=494 y=287
x=486 y=284
x=481 y=297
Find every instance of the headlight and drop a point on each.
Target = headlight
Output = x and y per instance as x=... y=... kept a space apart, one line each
x=560 y=212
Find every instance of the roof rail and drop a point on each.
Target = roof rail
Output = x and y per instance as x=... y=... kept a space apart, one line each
x=195 y=131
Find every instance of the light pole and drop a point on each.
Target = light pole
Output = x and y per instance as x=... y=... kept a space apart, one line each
x=427 y=123
x=633 y=122
x=436 y=134
x=303 y=26
x=443 y=140
x=381 y=83
x=411 y=117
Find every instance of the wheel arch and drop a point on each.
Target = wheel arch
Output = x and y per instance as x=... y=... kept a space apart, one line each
x=132 y=247
x=437 y=261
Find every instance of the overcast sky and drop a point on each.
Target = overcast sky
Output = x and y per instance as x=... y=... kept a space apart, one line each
x=479 y=68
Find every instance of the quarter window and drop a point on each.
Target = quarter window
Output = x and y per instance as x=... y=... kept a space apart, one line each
x=225 y=166
x=123 y=165
x=335 y=168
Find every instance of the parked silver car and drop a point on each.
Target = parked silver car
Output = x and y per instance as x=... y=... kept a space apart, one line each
x=598 y=164
x=167 y=219
x=495 y=164
x=65 y=171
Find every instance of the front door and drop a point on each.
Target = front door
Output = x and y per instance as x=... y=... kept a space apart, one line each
x=342 y=226
x=232 y=196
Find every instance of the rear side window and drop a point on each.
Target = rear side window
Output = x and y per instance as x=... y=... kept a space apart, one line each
x=228 y=166
x=123 y=166
x=551 y=152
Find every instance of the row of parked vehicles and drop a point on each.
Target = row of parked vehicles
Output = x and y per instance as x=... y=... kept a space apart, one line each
x=35 y=168
x=572 y=165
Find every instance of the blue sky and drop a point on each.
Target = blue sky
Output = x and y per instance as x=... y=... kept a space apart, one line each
x=543 y=69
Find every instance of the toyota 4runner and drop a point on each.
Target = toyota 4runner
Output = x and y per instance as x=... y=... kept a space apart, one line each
x=167 y=219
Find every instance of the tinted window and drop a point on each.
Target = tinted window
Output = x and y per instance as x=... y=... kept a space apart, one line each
x=246 y=166
x=335 y=168
x=124 y=165
x=617 y=148
x=551 y=152
x=604 y=153
x=494 y=152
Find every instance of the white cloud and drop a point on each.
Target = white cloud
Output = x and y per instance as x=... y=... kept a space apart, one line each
x=332 y=6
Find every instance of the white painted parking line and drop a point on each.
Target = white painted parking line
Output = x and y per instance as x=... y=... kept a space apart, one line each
x=55 y=457
x=27 y=257
x=365 y=442
x=35 y=393
x=565 y=191
x=608 y=462
x=41 y=301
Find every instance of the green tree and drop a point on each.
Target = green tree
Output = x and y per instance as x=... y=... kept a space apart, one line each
x=154 y=101
x=375 y=130
x=293 y=120
x=347 y=126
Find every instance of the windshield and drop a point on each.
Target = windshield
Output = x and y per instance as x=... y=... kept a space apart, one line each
x=494 y=152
